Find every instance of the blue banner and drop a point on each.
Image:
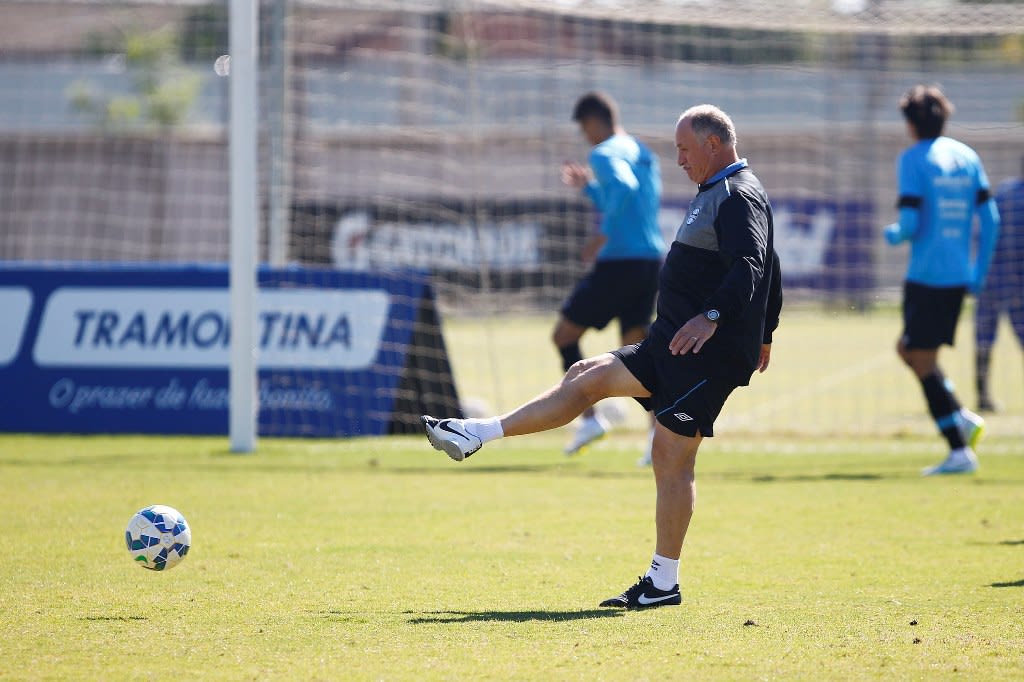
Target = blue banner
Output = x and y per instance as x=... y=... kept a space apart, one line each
x=144 y=349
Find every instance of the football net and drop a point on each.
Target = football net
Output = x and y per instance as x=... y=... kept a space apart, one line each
x=425 y=138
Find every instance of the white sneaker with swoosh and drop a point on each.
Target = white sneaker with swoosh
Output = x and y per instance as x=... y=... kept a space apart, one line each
x=644 y=595
x=451 y=437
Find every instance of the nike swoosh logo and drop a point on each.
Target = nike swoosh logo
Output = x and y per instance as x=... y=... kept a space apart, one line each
x=445 y=427
x=645 y=600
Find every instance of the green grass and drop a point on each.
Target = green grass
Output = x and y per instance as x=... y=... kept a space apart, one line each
x=832 y=374
x=380 y=559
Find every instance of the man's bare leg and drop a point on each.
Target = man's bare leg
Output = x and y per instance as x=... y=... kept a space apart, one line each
x=566 y=337
x=586 y=382
x=674 y=459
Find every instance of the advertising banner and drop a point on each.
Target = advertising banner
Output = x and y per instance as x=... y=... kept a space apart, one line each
x=145 y=350
x=824 y=244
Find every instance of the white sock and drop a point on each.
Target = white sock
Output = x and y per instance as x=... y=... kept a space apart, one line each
x=485 y=429
x=969 y=417
x=961 y=453
x=664 y=572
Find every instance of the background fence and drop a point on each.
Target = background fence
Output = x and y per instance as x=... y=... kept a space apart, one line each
x=429 y=135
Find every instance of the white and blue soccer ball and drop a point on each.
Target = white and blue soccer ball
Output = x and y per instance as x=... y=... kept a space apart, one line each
x=158 y=537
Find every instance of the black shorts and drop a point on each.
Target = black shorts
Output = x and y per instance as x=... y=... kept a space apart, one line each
x=687 y=392
x=625 y=289
x=930 y=315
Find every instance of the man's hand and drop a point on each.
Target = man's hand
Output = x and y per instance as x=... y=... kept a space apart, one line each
x=575 y=175
x=592 y=247
x=893 y=234
x=976 y=284
x=692 y=336
x=766 y=356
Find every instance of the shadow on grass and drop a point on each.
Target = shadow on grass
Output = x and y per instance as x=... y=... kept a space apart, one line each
x=1015 y=583
x=427 y=617
x=1003 y=543
x=812 y=478
x=556 y=469
x=123 y=619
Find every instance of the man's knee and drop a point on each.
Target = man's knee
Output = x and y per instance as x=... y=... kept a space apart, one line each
x=674 y=454
x=589 y=377
x=921 y=362
x=566 y=334
x=634 y=335
x=902 y=352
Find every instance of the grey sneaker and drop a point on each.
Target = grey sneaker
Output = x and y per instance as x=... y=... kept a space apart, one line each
x=960 y=461
x=590 y=429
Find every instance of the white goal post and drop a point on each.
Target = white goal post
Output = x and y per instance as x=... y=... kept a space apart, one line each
x=244 y=397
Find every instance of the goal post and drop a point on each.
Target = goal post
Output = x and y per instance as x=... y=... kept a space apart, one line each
x=244 y=219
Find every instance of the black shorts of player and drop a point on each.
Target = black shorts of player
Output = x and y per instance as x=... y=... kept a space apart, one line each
x=930 y=315
x=625 y=289
x=687 y=393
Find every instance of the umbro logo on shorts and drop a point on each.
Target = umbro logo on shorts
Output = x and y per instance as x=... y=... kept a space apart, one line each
x=693 y=216
x=683 y=417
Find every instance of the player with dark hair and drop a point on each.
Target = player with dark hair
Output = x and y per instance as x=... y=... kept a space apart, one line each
x=624 y=183
x=1004 y=288
x=942 y=185
x=719 y=300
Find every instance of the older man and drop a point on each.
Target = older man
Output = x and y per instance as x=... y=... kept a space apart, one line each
x=719 y=301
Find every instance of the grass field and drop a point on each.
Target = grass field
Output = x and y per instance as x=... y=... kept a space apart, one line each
x=381 y=559
x=817 y=551
x=833 y=374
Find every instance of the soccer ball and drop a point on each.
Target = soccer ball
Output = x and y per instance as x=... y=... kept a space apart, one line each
x=158 y=537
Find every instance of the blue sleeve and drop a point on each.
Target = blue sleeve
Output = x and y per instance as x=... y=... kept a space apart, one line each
x=989 y=215
x=593 y=190
x=615 y=183
x=911 y=185
x=911 y=191
x=906 y=228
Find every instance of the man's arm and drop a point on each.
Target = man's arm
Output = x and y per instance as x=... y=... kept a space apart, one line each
x=909 y=204
x=774 y=308
x=742 y=230
x=989 y=218
x=613 y=184
x=909 y=221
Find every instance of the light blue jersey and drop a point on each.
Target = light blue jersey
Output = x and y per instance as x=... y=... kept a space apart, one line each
x=942 y=185
x=627 y=191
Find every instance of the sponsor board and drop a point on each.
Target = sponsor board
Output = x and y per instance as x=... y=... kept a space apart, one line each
x=822 y=244
x=146 y=349
x=534 y=245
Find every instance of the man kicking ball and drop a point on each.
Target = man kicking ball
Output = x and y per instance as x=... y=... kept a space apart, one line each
x=719 y=300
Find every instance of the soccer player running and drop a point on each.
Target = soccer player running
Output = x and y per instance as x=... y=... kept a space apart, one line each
x=624 y=183
x=942 y=185
x=719 y=300
x=1004 y=287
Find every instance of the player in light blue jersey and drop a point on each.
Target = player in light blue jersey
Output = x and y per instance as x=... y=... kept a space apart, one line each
x=942 y=186
x=1004 y=287
x=624 y=183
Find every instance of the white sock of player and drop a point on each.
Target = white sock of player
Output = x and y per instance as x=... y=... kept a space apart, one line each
x=485 y=429
x=664 y=572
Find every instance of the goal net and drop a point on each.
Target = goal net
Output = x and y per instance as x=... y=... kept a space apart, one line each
x=420 y=142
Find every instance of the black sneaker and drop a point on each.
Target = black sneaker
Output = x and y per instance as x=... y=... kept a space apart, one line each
x=644 y=595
